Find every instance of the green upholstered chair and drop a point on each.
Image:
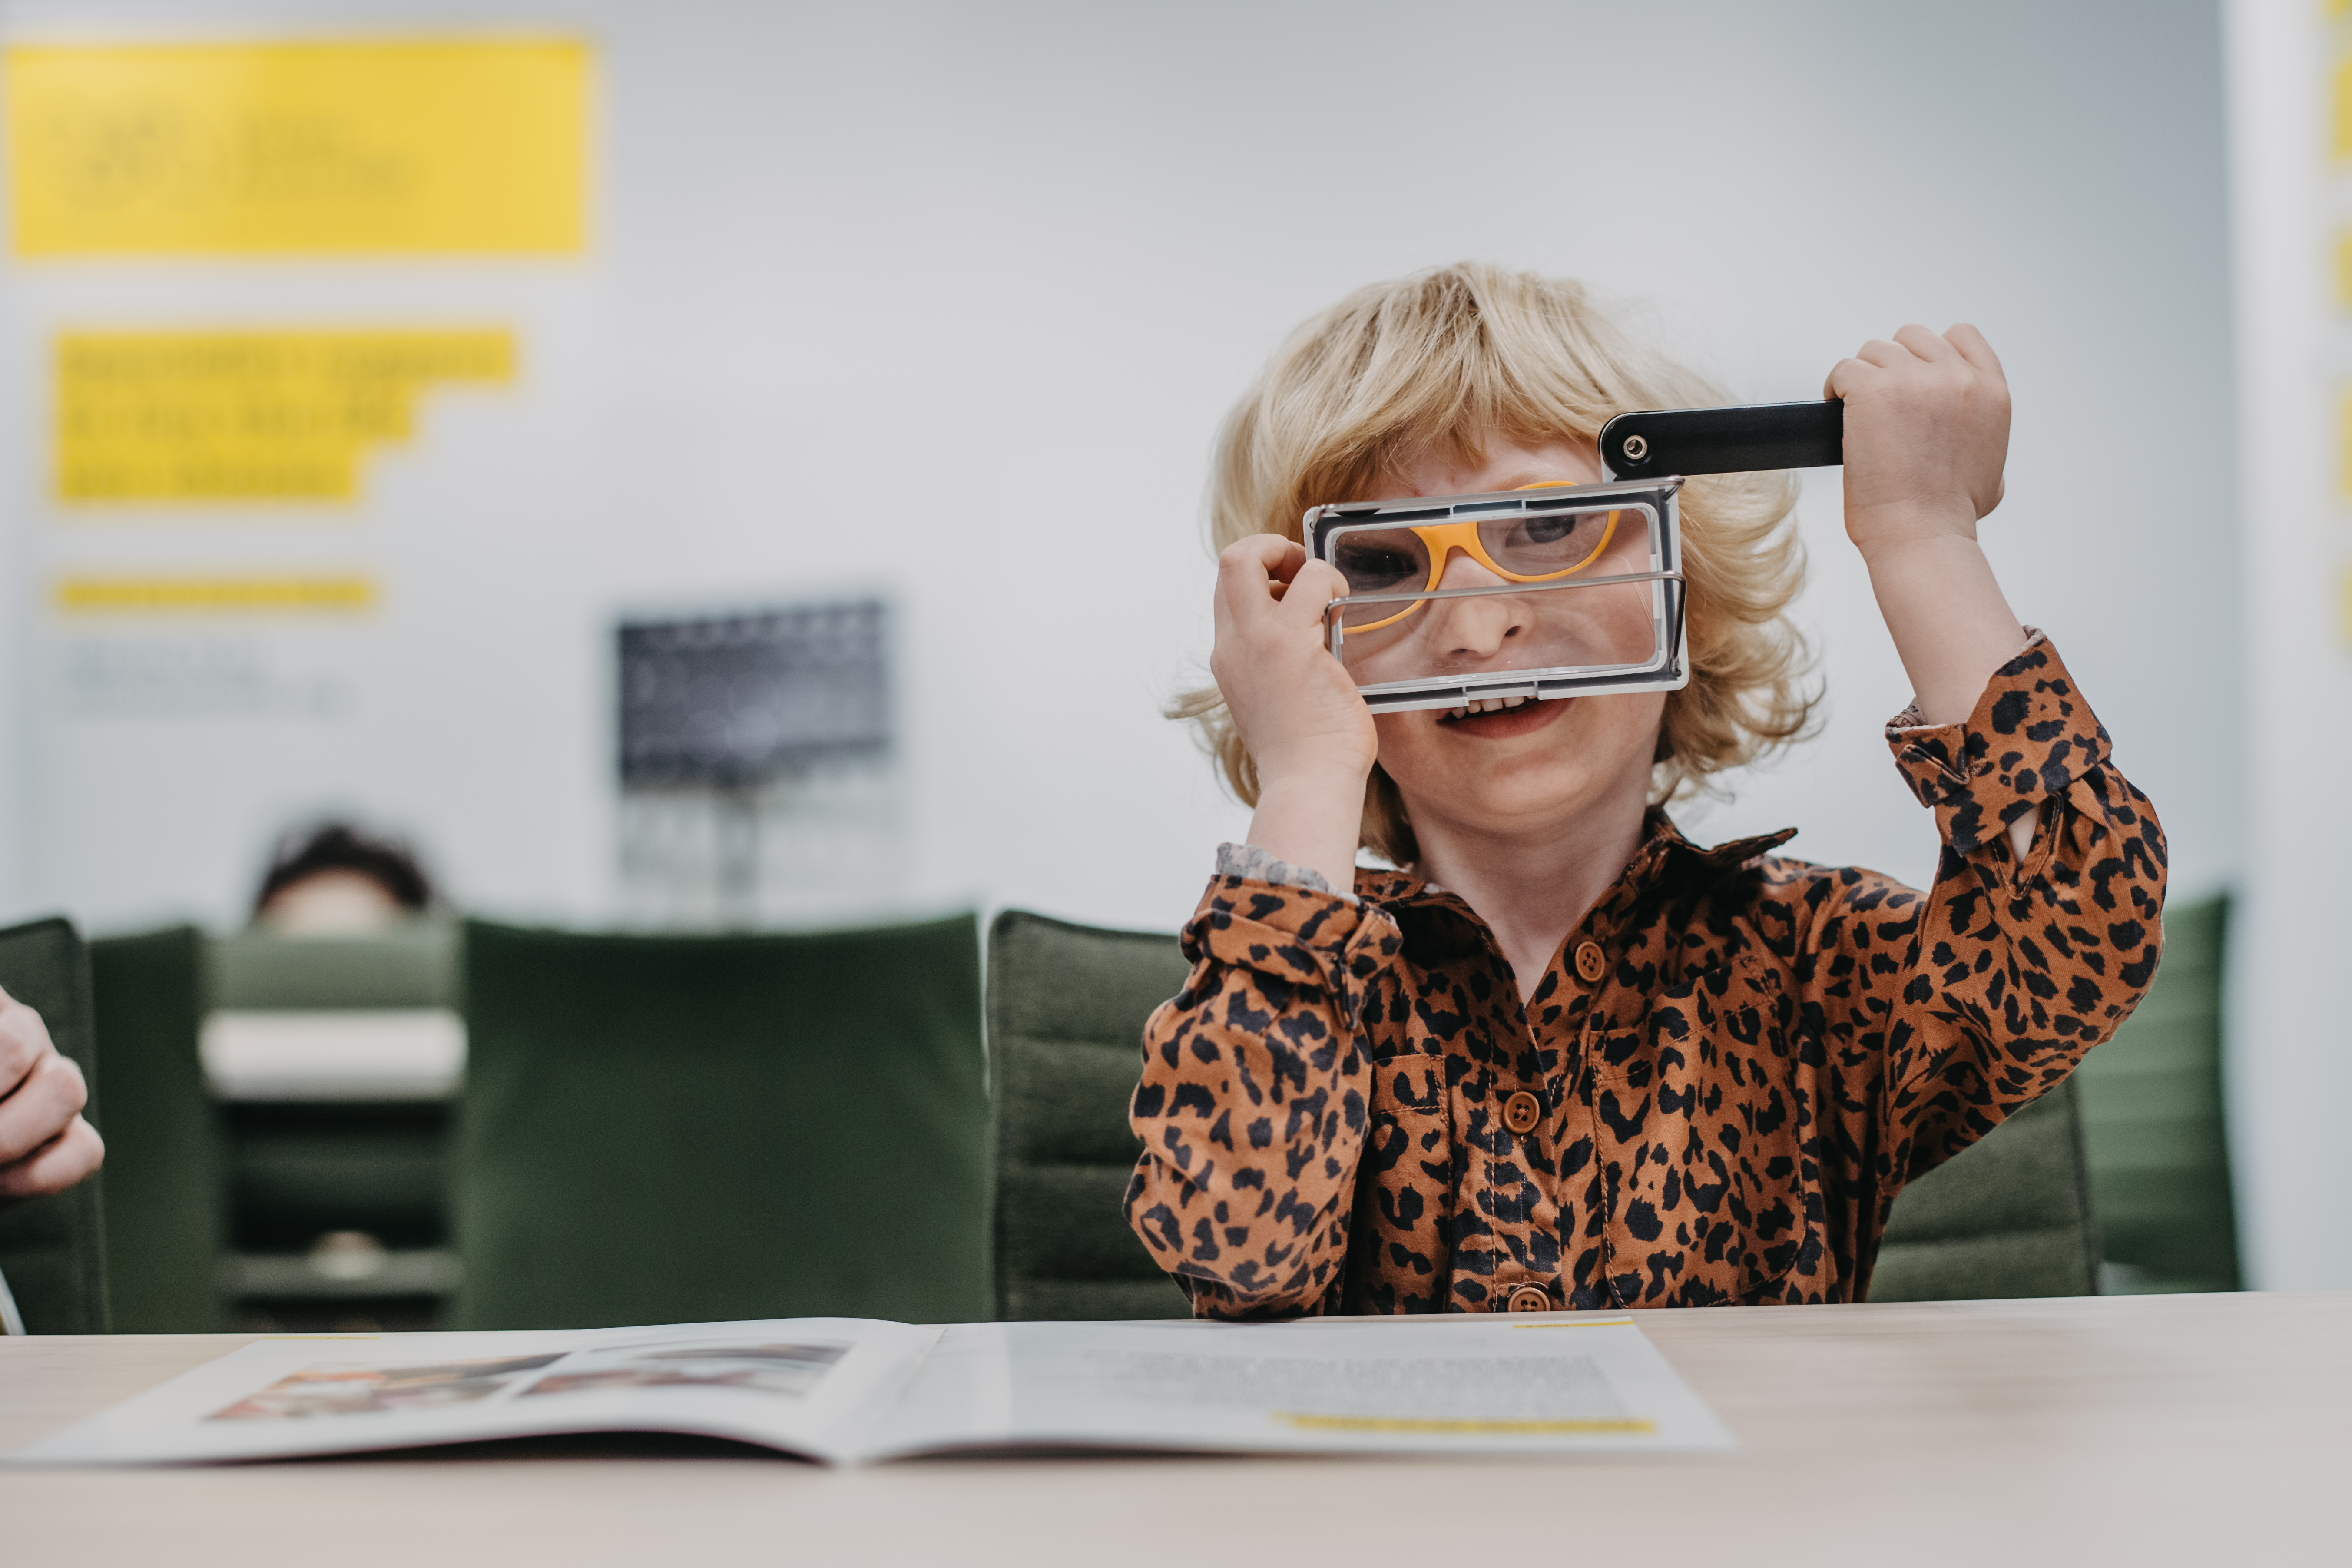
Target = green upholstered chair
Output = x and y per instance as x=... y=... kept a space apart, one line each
x=1066 y=1006
x=166 y=1194
x=304 y=1164
x=2009 y=1215
x=2152 y=1124
x=662 y=1128
x=53 y=1249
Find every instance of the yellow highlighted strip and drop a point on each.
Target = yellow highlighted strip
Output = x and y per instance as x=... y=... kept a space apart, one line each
x=1582 y=1323
x=250 y=416
x=2344 y=447
x=397 y=147
x=215 y=596
x=1595 y=1427
x=2340 y=113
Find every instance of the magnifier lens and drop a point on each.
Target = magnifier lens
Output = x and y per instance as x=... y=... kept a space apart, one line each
x=1380 y=561
x=1584 y=628
x=1568 y=620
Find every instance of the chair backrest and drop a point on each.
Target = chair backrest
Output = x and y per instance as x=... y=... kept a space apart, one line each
x=1066 y=1006
x=2153 y=1125
x=332 y=1055
x=2009 y=1215
x=664 y=1129
x=409 y=966
x=53 y=1249
x=166 y=1194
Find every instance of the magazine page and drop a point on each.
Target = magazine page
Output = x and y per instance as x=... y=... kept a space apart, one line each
x=814 y=1386
x=1450 y=1383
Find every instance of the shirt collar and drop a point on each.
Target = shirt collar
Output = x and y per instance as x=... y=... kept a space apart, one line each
x=1662 y=841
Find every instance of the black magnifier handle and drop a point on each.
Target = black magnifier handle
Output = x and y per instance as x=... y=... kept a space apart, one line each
x=1725 y=440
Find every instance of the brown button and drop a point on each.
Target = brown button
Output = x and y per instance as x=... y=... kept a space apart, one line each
x=1590 y=964
x=1528 y=1298
x=1522 y=1111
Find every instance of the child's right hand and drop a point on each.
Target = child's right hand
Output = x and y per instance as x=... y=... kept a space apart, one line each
x=1295 y=706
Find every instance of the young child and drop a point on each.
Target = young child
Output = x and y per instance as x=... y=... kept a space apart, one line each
x=1561 y=1057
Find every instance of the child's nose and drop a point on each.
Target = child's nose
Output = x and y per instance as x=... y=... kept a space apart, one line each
x=1477 y=625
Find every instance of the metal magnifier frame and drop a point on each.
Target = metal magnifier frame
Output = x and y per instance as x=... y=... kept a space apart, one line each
x=1654 y=501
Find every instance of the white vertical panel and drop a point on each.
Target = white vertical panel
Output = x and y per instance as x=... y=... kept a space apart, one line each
x=17 y=598
x=2290 y=1046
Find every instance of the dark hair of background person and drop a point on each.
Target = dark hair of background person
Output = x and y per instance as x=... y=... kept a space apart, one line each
x=339 y=846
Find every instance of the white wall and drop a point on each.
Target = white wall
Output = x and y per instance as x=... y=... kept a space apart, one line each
x=953 y=297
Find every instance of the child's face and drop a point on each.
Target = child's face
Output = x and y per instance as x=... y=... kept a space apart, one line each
x=1521 y=770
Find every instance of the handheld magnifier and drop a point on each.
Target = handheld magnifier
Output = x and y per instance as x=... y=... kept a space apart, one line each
x=1559 y=590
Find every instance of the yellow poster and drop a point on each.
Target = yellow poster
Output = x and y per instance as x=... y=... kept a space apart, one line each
x=267 y=414
x=347 y=148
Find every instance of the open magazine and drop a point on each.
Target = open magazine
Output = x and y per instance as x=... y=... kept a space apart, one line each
x=850 y=1390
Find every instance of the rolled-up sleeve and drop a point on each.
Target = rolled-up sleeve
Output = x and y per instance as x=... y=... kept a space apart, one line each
x=1252 y=1103
x=2018 y=967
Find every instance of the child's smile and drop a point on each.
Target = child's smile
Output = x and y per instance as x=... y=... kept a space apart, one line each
x=1502 y=718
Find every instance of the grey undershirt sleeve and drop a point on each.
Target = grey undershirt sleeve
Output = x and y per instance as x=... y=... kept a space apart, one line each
x=1249 y=861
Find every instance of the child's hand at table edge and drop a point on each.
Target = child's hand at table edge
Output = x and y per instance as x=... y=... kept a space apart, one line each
x=1295 y=706
x=1926 y=433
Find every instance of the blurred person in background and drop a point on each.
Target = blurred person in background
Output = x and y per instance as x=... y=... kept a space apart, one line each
x=335 y=880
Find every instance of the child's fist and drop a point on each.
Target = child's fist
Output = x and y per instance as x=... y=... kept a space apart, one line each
x=1926 y=433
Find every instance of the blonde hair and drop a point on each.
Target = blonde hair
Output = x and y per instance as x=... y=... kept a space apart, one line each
x=1445 y=360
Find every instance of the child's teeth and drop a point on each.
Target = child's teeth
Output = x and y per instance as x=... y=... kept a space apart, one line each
x=1488 y=705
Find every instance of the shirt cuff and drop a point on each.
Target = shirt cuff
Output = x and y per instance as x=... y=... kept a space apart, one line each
x=1296 y=934
x=1253 y=863
x=2030 y=738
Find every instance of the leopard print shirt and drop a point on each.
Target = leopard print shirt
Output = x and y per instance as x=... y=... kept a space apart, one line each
x=1734 y=1065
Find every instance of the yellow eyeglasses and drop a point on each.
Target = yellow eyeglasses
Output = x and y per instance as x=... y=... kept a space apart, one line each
x=1538 y=548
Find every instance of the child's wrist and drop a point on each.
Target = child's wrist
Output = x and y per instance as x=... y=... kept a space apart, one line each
x=1312 y=818
x=1332 y=796
x=1899 y=538
x=1952 y=626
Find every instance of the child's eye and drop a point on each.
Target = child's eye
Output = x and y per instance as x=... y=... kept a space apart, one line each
x=1551 y=530
x=1541 y=546
x=1371 y=567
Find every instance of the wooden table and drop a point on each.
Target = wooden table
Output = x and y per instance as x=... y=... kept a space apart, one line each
x=2207 y=1429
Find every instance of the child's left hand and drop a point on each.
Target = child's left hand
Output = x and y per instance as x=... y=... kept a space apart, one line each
x=1926 y=433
